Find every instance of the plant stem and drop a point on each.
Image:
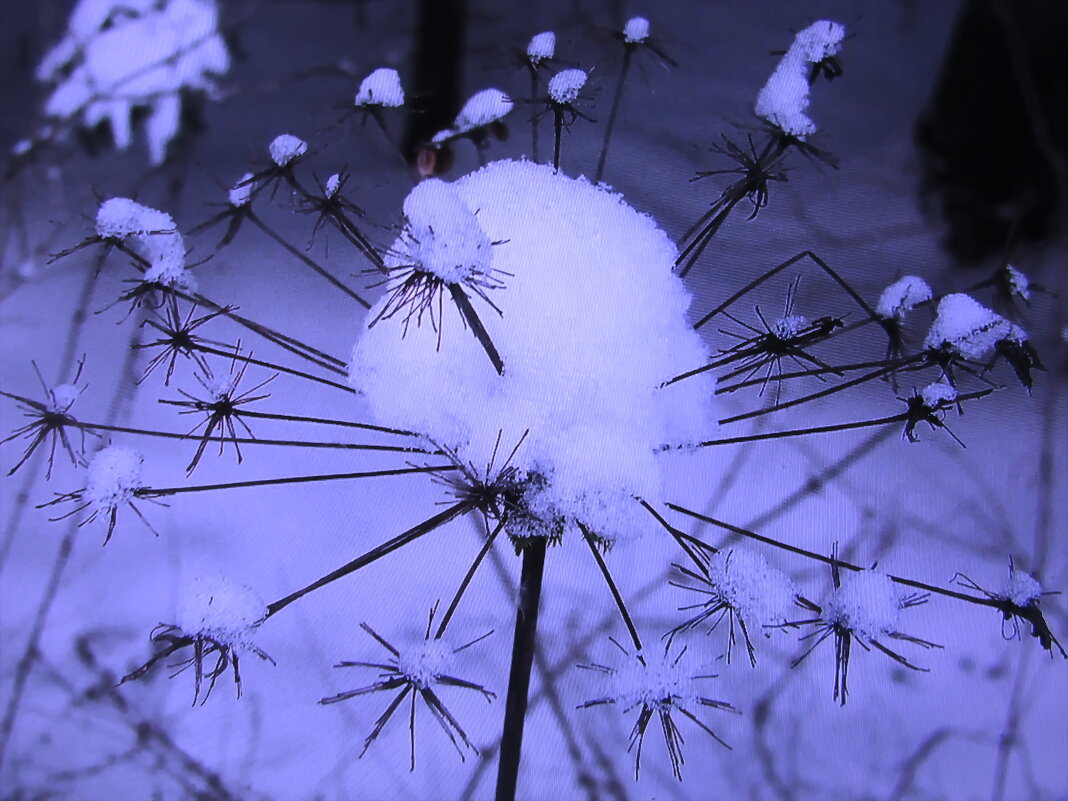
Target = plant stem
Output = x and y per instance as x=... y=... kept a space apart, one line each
x=558 y=126
x=616 y=101
x=523 y=644
x=271 y=366
x=534 y=118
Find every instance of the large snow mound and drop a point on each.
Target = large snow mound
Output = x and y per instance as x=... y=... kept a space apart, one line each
x=592 y=321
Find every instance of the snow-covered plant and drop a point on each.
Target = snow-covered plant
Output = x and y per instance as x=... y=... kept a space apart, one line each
x=532 y=352
x=784 y=99
x=121 y=56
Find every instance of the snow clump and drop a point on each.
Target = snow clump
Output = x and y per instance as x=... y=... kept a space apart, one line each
x=966 y=326
x=122 y=55
x=760 y=593
x=652 y=680
x=592 y=320
x=220 y=610
x=636 y=30
x=333 y=184
x=790 y=326
x=442 y=236
x=542 y=47
x=564 y=87
x=784 y=98
x=425 y=663
x=1018 y=282
x=152 y=234
x=381 y=88
x=241 y=192
x=114 y=478
x=62 y=397
x=1021 y=588
x=902 y=296
x=482 y=108
x=868 y=604
x=285 y=148
x=938 y=393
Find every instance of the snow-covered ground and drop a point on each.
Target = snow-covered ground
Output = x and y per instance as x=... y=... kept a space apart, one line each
x=987 y=720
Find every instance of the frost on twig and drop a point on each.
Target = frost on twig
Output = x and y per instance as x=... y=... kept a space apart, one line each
x=118 y=57
x=659 y=686
x=784 y=99
x=215 y=620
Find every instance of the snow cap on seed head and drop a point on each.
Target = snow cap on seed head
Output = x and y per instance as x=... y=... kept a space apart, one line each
x=564 y=87
x=481 y=109
x=784 y=98
x=966 y=326
x=937 y=393
x=332 y=185
x=443 y=235
x=636 y=30
x=902 y=296
x=542 y=46
x=215 y=607
x=241 y=192
x=424 y=663
x=759 y=592
x=114 y=477
x=381 y=88
x=868 y=603
x=152 y=234
x=286 y=147
x=1021 y=588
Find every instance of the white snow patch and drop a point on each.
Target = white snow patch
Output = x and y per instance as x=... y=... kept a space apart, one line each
x=789 y=326
x=114 y=476
x=582 y=357
x=1021 y=588
x=784 y=98
x=218 y=608
x=660 y=683
x=122 y=55
x=381 y=88
x=759 y=592
x=966 y=326
x=542 y=46
x=481 y=109
x=868 y=604
x=241 y=192
x=286 y=147
x=636 y=30
x=442 y=236
x=938 y=393
x=63 y=397
x=152 y=234
x=902 y=296
x=1019 y=284
x=333 y=184
x=564 y=87
x=423 y=664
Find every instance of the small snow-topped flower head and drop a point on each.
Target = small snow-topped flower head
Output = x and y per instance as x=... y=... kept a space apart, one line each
x=759 y=592
x=542 y=46
x=154 y=236
x=790 y=326
x=114 y=477
x=241 y=192
x=333 y=184
x=1021 y=588
x=966 y=326
x=564 y=87
x=425 y=663
x=1018 y=282
x=443 y=235
x=219 y=609
x=868 y=604
x=902 y=296
x=63 y=397
x=481 y=109
x=784 y=98
x=636 y=30
x=381 y=88
x=659 y=683
x=286 y=147
x=938 y=393
x=818 y=41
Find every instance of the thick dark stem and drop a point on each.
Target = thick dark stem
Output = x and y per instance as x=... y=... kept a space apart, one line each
x=558 y=127
x=616 y=101
x=481 y=334
x=526 y=628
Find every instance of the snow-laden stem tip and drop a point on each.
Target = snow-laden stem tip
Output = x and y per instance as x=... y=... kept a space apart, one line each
x=523 y=645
